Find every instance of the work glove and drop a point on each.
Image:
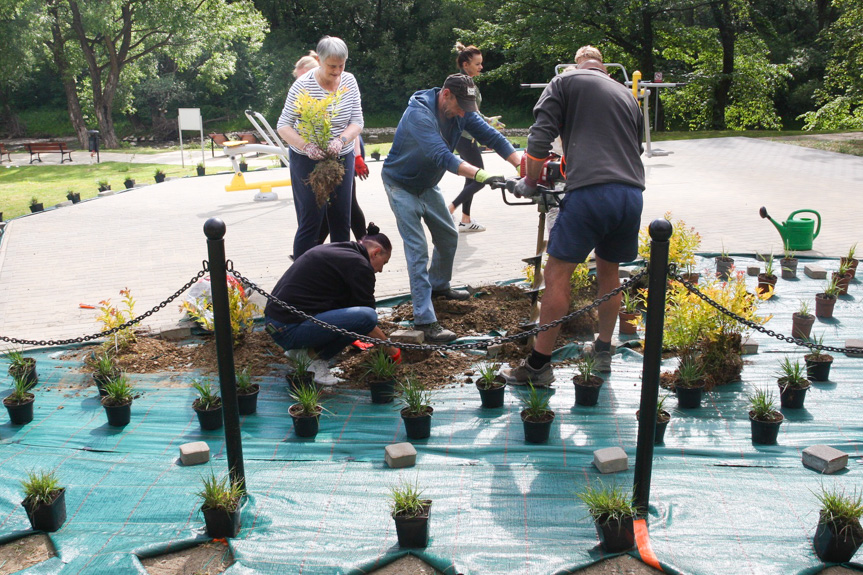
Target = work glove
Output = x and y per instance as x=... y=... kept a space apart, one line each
x=335 y=146
x=397 y=356
x=360 y=168
x=484 y=177
x=314 y=152
x=494 y=122
x=525 y=187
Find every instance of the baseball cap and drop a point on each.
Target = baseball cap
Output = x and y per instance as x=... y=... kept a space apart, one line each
x=464 y=90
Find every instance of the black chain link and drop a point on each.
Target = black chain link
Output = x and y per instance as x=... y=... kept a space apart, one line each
x=106 y=333
x=440 y=347
x=672 y=273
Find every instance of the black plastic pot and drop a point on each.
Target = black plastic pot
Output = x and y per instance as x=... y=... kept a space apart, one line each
x=75 y=197
x=615 y=535
x=21 y=413
x=689 y=397
x=118 y=415
x=414 y=531
x=537 y=431
x=765 y=432
x=723 y=267
x=587 y=394
x=304 y=425
x=26 y=373
x=247 y=403
x=129 y=183
x=48 y=517
x=209 y=419
x=221 y=524
x=818 y=370
x=491 y=397
x=382 y=391
x=661 y=426
x=376 y=156
x=833 y=546
x=417 y=426
x=159 y=178
x=792 y=397
x=297 y=381
x=244 y=167
x=201 y=171
x=36 y=208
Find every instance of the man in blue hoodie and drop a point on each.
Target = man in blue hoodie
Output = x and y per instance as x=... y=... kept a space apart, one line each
x=420 y=154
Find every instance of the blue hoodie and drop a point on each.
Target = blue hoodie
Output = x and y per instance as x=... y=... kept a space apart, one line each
x=423 y=144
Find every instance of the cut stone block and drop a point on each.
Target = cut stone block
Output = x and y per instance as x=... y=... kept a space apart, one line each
x=610 y=460
x=815 y=272
x=624 y=274
x=753 y=270
x=407 y=336
x=824 y=459
x=194 y=453
x=749 y=346
x=400 y=455
x=856 y=345
x=175 y=331
x=494 y=350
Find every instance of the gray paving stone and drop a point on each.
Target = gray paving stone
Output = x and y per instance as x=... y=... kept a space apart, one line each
x=856 y=345
x=824 y=459
x=407 y=336
x=494 y=350
x=398 y=455
x=610 y=460
x=753 y=270
x=815 y=272
x=195 y=453
x=749 y=346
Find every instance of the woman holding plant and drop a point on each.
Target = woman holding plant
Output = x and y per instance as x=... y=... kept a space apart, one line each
x=321 y=119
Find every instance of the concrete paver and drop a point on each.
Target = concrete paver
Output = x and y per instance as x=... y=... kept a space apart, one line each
x=151 y=239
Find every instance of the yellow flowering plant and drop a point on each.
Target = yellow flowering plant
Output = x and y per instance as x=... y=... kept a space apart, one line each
x=315 y=120
x=113 y=316
x=241 y=310
x=682 y=244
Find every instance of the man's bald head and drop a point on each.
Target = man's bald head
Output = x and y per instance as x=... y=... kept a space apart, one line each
x=592 y=65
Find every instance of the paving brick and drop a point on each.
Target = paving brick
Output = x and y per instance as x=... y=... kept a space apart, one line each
x=856 y=345
x=824 y=459
x=407 y=336
x=494 y=350
x=174 y=331
x=398 y=455
x=815 y=272
x=749 y=346
x=753 y=270
x=610 y=460
x=624 y=273
x=194 y=453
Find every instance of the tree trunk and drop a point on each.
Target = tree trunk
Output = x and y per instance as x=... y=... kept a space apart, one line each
x=725 y=25
x=73 y=106
x=106 y=124
x=57 y=47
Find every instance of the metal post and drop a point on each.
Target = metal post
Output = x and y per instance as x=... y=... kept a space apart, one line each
x=660 y=232
x=214 y=229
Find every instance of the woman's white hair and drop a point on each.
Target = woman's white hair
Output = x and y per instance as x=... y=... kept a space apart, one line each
x=331 y=47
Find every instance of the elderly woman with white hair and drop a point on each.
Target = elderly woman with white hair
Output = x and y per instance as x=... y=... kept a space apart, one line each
x=328 y=78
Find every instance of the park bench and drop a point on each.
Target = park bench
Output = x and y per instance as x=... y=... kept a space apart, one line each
x=4 y=152
x=37 y=148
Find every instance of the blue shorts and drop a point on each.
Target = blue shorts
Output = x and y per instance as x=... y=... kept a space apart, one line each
x=604 y=217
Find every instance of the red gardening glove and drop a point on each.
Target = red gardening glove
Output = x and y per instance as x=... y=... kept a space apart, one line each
x=397 y=356
x=360 y=167
x=361 y=345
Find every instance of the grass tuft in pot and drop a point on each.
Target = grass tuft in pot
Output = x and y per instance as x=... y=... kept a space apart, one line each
x=208 y=405
x=839 y=533
x=221 y=505
x=306 y=412
x=247 y=392
x=612 y=508
x=44 y=500
x=491 y=386
x=792 y=383
x=19 y=403
x=21 y=367
x=763 y=417
x=536 y=416
x=105 y=370
x=380 y=373
x=410 y=513
x=818 y=363
x=118 y=400
x=301 y=374
x=417 y=411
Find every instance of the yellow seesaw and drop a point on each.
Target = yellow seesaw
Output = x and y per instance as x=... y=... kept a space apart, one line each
x=238 y=183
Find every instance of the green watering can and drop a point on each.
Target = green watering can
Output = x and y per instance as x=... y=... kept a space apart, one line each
x=797 y=233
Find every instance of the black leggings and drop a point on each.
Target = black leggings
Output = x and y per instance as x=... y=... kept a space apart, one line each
x=358 y=219
x=469 y=152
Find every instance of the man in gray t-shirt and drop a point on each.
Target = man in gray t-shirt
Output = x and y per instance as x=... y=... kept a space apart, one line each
x=600 y=124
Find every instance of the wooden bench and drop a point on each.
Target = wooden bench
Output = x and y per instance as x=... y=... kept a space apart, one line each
x=4 y=152
x=217 y=139
x=37 y=148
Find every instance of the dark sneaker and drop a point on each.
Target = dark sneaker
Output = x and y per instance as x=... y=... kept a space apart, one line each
x=603 y=358
x=524 y=374
x=435 y=333
x=450 y=293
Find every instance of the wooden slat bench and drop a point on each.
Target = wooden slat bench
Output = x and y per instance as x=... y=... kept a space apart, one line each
x=37 y=148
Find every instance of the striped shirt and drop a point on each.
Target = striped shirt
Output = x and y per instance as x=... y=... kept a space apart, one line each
x=350 y=109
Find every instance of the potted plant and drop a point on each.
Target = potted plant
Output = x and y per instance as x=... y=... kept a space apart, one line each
x=380 y=374
x=587 y=383
x=689 y=382
x=801 y=321
x=375 y=153
x=825 y=300
x=536 y=416
x=35 y=205
x=21 y=367
x=44 y=501
x=843 y=278
x=767 y=279
x=118 y=401
x=763 y=417
x=411 y=514
x=839 y=533
x=159 y=176
x=247 y=393
x=850 y=261
x=724 y=264
x=129 y=182
x=242 y=163
x=73 y=197
x=490 y=385
x=19 y=403
x=104 y=186
x=301 y=375
x=417 y=411
x=788 y=264
x=628 y=314
x=306 y=412
x=613 y=510
x=792 y=384
x=221 y=506
x=200 y=169
x=106 y=370
x=662 y=419
x=208 y=405
x=818 y=363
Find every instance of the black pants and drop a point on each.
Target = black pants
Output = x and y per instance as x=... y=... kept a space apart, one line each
x=469 y=152
x=358 y=219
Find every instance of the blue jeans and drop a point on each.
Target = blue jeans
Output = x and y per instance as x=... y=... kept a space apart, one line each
x=410 y=211
x=309 y=215
x=325 y=343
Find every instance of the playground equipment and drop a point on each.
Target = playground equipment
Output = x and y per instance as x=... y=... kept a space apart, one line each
x=797 y=234
x=273 y=146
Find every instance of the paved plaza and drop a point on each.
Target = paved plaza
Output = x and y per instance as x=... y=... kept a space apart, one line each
x=151 y=239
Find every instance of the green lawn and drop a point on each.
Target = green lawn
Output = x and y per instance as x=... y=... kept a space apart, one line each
x=49 y=184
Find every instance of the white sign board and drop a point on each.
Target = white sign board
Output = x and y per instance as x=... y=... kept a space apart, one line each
x=189 y=118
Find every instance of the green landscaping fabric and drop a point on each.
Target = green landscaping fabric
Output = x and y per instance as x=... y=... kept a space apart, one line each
x=719 y=504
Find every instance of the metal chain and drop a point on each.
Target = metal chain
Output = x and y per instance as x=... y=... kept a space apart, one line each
x=672 y=273
x=439 y=347
x=106 y=333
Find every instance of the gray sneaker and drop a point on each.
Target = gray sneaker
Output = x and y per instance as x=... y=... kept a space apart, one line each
x=435 y=333
x=524 y=374
x=603 y=358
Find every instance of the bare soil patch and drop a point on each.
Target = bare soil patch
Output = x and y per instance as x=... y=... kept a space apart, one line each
x=20 y=554
x=207 y=559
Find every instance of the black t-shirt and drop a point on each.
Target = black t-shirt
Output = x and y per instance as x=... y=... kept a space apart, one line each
x=327 y=277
